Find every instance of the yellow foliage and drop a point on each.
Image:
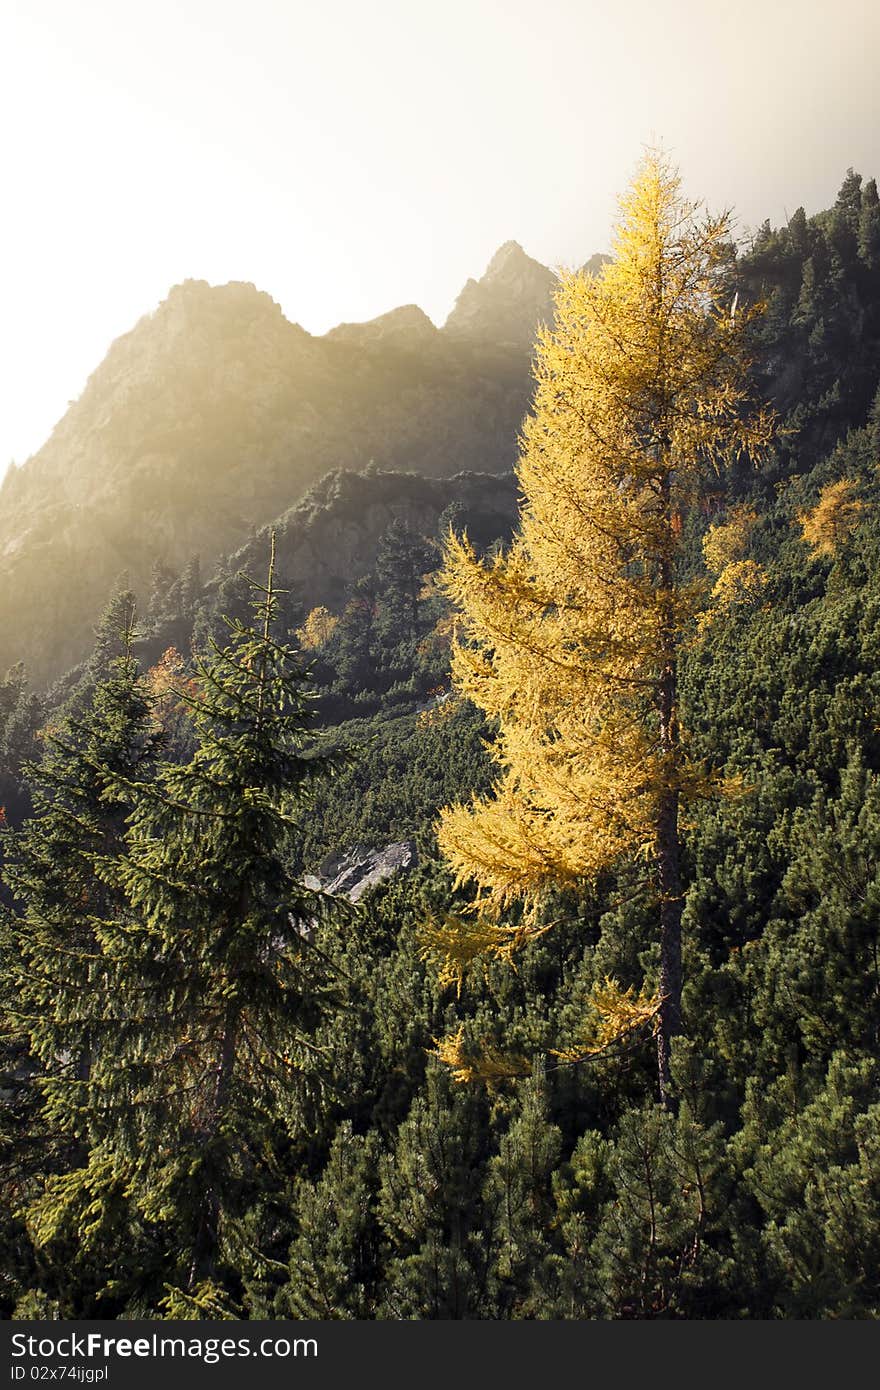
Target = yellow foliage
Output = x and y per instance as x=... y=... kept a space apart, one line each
x=317 y=630
x=834 y=518
x=167 y=673
x=742 y=581
x=617 y=1017
x=170 y=689
x=488 y=1063
x=454 y=942
x=439 y=713
x=566 y=638
x=727 y=542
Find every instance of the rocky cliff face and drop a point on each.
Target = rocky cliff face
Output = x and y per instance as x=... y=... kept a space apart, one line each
x=331 y=538
x=215 y=414
x=353 y=872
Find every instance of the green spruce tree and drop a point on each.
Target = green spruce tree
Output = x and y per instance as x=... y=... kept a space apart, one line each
x=220 y=993
x=56 y=982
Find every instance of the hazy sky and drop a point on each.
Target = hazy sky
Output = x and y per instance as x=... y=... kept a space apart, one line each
x=352 y=155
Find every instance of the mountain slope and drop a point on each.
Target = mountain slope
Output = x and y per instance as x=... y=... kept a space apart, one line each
x=514 y=295
x=215 y=414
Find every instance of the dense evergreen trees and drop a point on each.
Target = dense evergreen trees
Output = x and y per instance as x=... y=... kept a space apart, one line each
x=160 y=968
x=218 y=1099
x=215 y=1059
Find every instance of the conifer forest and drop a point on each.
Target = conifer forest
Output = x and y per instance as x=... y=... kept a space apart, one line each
x=440 y=879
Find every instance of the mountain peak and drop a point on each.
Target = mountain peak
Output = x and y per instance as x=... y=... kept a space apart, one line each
x=507 y=303
x=216 y=395
x=595 y=263
x=238 y=300
x=507 y=257
x=405 y=326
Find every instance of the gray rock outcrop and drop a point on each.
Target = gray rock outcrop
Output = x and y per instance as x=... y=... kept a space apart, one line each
x=350 y=873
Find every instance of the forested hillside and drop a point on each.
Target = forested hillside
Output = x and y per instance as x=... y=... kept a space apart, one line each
x=228 y=1094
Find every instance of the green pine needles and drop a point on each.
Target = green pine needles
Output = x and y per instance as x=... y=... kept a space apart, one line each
x=168 y=984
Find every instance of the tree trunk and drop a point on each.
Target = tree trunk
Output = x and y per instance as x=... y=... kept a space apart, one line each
x=667 y=844
x=208 y=1229
x=667 y=856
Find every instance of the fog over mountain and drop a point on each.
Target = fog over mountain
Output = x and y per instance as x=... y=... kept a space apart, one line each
x=214 y=414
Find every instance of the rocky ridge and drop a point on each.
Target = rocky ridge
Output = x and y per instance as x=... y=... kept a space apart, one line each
x=214 y=414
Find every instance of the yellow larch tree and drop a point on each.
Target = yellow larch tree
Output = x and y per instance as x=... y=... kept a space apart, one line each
x=571 y=639
x=834 y=518
x=727 y=542
x=738 y=579
x=317 y=629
